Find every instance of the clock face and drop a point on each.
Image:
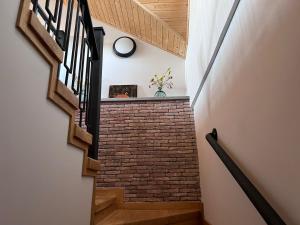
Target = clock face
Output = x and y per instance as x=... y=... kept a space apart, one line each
x=124 y=47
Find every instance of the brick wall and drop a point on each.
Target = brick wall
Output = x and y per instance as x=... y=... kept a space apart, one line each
x=149 y=148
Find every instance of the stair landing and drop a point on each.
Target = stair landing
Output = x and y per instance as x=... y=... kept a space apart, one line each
x=111 y=210
x=151 y=217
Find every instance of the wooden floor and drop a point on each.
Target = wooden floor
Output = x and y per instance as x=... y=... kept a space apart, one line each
x=111 y=210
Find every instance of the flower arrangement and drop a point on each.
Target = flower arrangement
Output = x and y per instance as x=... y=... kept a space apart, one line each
x=161 y=80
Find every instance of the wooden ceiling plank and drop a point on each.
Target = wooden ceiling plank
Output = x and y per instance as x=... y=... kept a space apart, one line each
x=171 y=37
x=182 y=49
x=101 y=5
x=171 y=11
x=132 y=17
x=160 y=1
x=136 y=18
x=176 y=44
x=120 y=15
x=109 y=12
x=99 y=11
x=129 y=12
x=165 y=37
x=176 y=7
x=148 y=27
x=153 y=29
x=142 y=23
x=114 y=12
x=125 y=16
x=159 y=36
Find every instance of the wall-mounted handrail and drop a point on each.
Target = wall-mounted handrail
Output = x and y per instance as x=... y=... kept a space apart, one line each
x=270 y=216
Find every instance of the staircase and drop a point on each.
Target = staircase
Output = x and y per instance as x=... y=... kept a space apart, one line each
x=148 y=169
x=110 y=209
x=174 y=184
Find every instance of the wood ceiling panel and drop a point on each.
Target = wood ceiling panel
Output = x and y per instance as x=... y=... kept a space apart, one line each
x=141 y=19
x=173 y=12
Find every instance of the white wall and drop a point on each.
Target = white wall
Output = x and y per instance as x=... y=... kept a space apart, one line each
x=41 y=180
x=205 y=32
x=140 y=67
x=252 y=98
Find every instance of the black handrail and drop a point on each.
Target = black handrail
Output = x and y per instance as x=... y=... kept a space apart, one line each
x=270 y=216
x=91 y=34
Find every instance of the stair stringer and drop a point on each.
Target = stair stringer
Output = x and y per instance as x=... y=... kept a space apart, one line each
x=58 y=93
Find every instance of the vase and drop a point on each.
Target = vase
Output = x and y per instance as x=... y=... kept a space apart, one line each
x=160 y=93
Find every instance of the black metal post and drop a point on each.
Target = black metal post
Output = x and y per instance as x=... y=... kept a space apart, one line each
x=95 y=94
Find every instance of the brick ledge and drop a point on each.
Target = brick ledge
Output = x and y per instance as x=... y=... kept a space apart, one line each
x=145 y=99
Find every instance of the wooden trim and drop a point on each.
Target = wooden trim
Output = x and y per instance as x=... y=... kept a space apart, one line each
x=93 y=164
x=83 y=135
x=28 y=23
x=163 y=205
x=118 y=192
x=45 y=37
x=67 y=94
x=188 y=22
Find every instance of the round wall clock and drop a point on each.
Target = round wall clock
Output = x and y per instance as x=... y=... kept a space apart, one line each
x=124 y=47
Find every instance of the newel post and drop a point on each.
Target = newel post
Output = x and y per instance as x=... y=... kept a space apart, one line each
x=93 y=111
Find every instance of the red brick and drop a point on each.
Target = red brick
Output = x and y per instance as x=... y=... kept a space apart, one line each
x=149 y=148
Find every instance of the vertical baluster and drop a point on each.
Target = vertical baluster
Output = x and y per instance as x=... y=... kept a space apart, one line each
x=86 y=83
x=61 y=3
x=88 y=89
x=67 y=39
x=82 y=41
x=60 y=34
x=48 y=10
x=38 y=10
x=80 y=80
x=52 y=17
x=68 y=21
x=35 y=6
x=75 y=50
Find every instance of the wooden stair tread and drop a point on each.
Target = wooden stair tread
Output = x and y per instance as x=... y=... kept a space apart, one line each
x=150 y=217
x=102 y=202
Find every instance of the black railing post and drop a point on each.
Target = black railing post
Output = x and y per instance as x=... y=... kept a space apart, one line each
x=93 y=112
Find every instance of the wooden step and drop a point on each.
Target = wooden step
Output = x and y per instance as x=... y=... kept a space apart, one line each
x=152 y=217
x=104 y=206
x=104 y=202
x=112 y=210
